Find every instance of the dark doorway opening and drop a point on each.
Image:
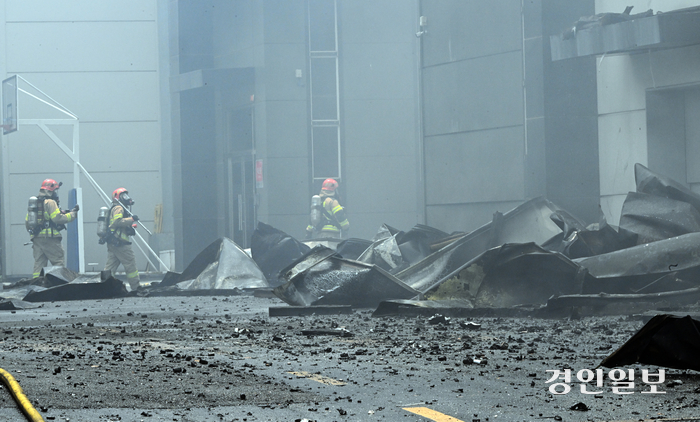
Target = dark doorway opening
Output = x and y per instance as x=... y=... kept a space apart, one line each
x=240 y=176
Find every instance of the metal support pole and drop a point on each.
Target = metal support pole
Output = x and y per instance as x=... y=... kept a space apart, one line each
x=108 y=201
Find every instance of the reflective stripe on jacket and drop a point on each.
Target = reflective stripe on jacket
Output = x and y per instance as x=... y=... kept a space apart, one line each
x=333 y=218
x=120 y=225
x=53 y=214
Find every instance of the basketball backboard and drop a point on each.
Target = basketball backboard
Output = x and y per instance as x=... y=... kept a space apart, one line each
x=9 y=105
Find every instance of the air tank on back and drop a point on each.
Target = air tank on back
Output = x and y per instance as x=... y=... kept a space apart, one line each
x=102 y=228
x=32 y=213
x=315 y=211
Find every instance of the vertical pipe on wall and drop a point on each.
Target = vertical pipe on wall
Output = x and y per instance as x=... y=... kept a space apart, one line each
x=4 y=206
x=419 y=119
x=524 y=67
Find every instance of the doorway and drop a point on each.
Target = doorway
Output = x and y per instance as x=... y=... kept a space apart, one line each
x=241 y=209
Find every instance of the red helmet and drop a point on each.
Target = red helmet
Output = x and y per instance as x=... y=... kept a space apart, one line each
x=329 y=185
x=50 y=185
x=117 y=192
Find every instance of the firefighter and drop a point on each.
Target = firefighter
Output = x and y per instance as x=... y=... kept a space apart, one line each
x=44 y=222
x=122 y=224
x=328 y=216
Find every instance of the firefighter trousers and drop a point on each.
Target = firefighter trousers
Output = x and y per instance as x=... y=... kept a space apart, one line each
x=123 y=255
x=46 y=249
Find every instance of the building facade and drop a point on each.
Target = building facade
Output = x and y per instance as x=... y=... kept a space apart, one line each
x=222 y=114
x=100 y=60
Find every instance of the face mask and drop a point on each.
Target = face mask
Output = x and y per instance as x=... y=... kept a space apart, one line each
x=126 y=200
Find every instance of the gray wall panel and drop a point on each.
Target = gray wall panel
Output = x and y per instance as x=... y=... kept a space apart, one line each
x=281 y=62
x=676 y=66
x=65 y=46
x=692 y=133
x=532 y=11
x=104 y=96
x=287 y=184
x=459 y=29
x=285 y=22
x=534 y=77
x=377 y=71
x=484 y=166
x=371 y=21
x=622 y=138
x=34 y=147
x=101 y=148
x=365 y=225
x=573 y=180
x=378 y=184
x=198 y=158
x=79 y=10
x=380 y=127
x=571 y=127
x=474 y=94
x=238 y=34
x=535 y=161
x=287 y=129
x=465 y=217
x=666 y=140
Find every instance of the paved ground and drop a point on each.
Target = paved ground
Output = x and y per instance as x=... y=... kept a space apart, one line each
x=225 y=359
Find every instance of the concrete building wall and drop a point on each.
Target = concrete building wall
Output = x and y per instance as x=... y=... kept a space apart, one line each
x=379 y=114
x=100 y=61
x=379 y=54
x=571 y=118
x=618 y=6
x=502 y=123
x=473 y=104
x=636 y=96
x=282 y=117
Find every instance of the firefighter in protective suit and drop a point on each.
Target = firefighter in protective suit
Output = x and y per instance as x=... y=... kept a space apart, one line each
x=332 y=222
x=44 y=222
x=122 y=225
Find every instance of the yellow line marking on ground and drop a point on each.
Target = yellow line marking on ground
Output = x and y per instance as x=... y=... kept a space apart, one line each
x=317 y=378
x=431 y=414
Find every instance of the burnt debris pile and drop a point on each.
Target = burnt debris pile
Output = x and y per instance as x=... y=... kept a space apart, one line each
x=536 y=258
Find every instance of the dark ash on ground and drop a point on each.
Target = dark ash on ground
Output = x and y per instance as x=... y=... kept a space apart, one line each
x=223 y=358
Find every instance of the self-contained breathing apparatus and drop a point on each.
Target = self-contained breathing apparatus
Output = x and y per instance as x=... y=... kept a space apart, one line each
x=36 y=221
x=317 y=214
x=316 y=211
x=103 y=230
x=107 y=234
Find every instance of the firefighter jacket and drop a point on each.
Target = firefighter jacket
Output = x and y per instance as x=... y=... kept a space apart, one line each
x=333 y=218
x=121 y=225
x=53 y=219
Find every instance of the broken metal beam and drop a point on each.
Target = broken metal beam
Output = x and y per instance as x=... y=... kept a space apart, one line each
x=279 y=311
x=570 y=301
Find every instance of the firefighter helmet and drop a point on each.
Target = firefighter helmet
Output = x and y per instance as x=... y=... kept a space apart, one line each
x=122 y=195
x=329 y=185
x=117 y=192
x=50 y=185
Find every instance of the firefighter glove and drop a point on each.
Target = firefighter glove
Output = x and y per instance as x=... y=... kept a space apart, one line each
x=76 y=208
x=135 y=217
